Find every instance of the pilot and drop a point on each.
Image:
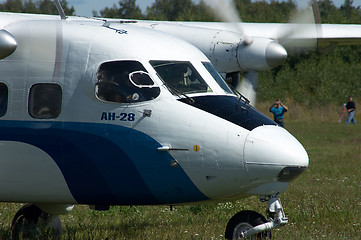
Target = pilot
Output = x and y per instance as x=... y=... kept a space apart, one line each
x=177 y=80
x=106 y=85
x=145 y=88
x=130 y=92
x=114 y=86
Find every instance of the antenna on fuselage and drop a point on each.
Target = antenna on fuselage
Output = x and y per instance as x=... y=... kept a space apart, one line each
x=60 y=9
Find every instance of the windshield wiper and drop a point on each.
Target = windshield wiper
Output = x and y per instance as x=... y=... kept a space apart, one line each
x=176 y=91
x=241 y=96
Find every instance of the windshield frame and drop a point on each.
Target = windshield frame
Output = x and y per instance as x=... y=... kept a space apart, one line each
x=221 y=82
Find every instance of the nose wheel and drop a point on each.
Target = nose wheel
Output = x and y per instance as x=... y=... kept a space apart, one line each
x=243 y=222
x=252 y=225
x=30 y=222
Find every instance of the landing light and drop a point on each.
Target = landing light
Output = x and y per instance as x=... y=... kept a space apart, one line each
x=290 y=173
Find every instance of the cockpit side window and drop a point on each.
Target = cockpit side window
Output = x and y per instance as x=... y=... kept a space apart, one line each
x=180 y=77
x=125 y=82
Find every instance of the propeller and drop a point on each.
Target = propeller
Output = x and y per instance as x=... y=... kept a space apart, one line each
x=302 y=32
x=257 y=53
x=227 y=12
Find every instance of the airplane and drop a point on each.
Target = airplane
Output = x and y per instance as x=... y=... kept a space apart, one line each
x=106 y=112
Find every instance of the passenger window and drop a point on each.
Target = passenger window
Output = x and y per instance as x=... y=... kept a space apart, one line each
x=45 y=100
x=4 y=92
x=125 y=82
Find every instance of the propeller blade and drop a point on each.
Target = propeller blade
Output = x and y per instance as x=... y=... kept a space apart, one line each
x=302 y=32
x=227 y=12
x=247 y=87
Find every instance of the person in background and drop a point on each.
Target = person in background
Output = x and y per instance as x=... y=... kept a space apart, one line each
x=278 y=110
x=350 y=107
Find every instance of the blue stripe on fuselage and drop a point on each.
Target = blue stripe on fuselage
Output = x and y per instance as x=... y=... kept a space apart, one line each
x=107 y=164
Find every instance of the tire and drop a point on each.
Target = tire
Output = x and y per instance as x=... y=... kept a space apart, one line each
x=244 y=221
x=32 y=223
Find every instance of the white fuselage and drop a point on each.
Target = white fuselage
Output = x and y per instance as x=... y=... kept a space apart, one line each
x=164 y=149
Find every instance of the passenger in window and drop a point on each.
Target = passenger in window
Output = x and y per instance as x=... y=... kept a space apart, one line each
x=44 y=111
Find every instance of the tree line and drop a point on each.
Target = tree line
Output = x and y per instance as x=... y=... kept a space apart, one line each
x=259 y=11
x=187 y=10
x=312 y=79
x=37 y=6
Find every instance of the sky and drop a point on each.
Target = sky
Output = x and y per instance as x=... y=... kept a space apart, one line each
x=86 y=7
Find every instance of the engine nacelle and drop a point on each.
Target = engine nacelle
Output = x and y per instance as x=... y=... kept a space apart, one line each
x=228 y=51
x=261 y=54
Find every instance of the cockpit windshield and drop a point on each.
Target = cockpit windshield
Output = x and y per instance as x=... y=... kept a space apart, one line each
x=180 y=77
x=217 y=77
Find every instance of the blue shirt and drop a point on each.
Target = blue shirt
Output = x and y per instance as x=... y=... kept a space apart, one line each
x=278 y=112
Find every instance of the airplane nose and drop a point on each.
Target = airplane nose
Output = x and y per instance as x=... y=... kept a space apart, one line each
x=272 y=152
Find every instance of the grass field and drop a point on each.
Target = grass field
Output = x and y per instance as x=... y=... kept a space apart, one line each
x=323 y=203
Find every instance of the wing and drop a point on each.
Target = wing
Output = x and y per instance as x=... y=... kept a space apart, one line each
x=325 y=35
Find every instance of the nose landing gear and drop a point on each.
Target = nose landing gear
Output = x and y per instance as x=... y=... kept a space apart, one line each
x=253 y=225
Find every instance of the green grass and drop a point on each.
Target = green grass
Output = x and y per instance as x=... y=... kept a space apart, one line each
x=323 y=203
